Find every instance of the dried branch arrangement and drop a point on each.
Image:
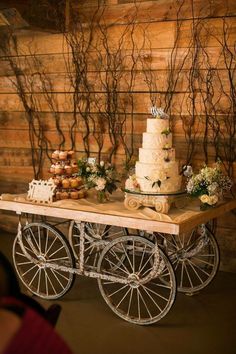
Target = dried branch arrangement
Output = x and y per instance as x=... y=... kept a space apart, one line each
x=102 y=76
x=117 y=77
x=106 y=68
x=25 y=88
x=206 y=76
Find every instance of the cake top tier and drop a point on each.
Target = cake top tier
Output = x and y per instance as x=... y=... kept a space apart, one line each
x=159 y=123
x=160 y=126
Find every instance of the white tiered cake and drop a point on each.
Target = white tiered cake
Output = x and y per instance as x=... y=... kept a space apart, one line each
x=157 y=171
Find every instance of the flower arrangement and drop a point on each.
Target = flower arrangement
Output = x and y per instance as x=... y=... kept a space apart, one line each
x=101 y=176
x=208 y=185
x=166 y=132
x=166 y=147
x=157 y=178
x=132 y=184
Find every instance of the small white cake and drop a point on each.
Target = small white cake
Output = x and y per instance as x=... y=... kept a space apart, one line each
x=157 y=170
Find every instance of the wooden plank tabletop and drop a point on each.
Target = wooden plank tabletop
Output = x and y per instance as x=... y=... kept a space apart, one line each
x=114 y=213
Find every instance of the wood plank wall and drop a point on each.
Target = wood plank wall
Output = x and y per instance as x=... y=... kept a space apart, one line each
x=159 y=19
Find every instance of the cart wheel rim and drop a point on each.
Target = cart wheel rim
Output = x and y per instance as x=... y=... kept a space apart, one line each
x=195 y=260
x=136 y=302
x=43 y=243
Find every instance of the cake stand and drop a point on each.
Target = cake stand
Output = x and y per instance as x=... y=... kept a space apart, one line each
x=160 y=201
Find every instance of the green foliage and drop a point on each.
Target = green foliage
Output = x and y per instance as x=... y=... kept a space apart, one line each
x=101 y=176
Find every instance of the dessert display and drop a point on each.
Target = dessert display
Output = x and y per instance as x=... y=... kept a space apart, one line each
x=157 y=170
x=65 y=176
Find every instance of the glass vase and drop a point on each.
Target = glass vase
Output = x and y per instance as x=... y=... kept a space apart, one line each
x=102 y=196
x=204 y=206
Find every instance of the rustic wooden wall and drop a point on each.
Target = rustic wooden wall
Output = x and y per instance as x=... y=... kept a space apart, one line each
x=159 y=21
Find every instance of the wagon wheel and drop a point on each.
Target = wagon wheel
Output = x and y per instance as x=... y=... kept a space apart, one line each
x=97 y=236
x=43 y=243
x=195 y=258
x=144 y=299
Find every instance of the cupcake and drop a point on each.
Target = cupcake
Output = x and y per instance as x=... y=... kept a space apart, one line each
x=68 y=169
x=74 y=194
x=70 y=154
x=63 y=155
x=64 y=195
x=74 y=182
x=52 y=169
x=58 y=169
x=65 y=183
x=55 y=154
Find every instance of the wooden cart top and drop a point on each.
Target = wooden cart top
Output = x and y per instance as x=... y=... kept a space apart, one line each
x=114 y=213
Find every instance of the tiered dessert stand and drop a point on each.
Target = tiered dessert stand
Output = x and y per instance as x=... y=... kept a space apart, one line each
x=64 y=171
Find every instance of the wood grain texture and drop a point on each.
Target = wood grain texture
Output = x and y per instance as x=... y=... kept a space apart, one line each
x=114 y=213
x=161 y=34
x=64 y=102
x=61 y=82
x=18 y=121
x=152 y=11
x=155 y=59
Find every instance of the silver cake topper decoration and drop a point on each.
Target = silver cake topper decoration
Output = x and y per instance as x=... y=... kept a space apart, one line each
x=155 y=111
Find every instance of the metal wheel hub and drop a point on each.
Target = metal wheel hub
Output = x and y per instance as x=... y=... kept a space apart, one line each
x=100 y=244
x=133 y=280
x=41 y=261
x=181 y=256
x=97 y=236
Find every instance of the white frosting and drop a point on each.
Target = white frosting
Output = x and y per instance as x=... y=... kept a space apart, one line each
x=156 y=141
x=156 y=155
x=156 y=171
x=155 y=125
x=170 y=185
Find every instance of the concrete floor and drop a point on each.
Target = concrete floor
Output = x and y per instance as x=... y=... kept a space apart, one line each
x=201 y=324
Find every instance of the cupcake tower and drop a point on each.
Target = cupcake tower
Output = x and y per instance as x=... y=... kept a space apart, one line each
x=64 y=170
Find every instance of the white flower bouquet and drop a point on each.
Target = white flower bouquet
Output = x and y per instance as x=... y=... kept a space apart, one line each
x=209 y=184
x=100 y=176
x=132 y=184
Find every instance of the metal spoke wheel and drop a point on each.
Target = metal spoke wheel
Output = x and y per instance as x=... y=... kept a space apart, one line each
x=97 y=236
x=141 y=297
x=44 y=244
x=195 y=258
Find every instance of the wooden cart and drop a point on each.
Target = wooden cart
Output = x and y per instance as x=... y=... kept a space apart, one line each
x=140 y=258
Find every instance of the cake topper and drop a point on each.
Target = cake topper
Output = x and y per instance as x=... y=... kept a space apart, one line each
x=158 y=112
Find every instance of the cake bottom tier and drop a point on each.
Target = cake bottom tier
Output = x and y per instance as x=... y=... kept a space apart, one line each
x=171 y=185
